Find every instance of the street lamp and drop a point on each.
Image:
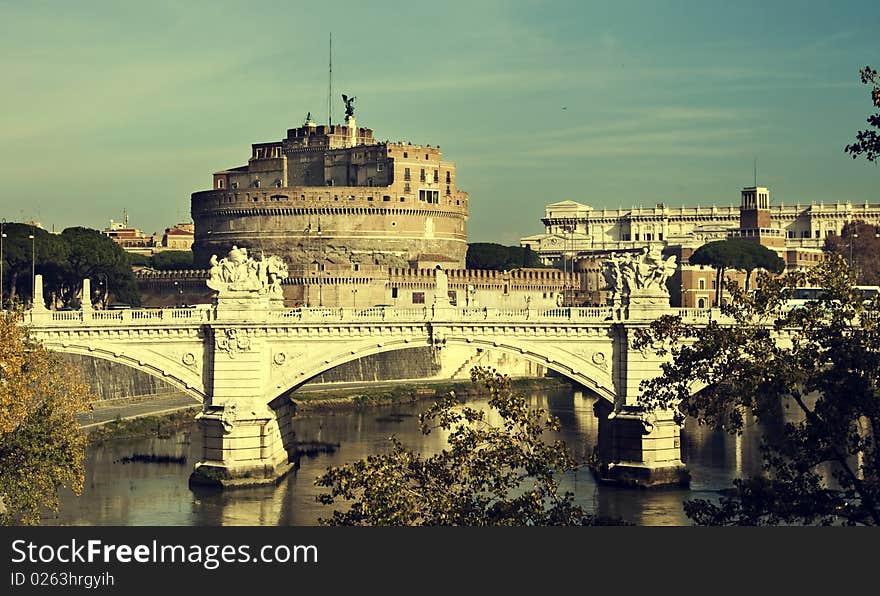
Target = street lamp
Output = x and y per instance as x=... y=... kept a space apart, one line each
x=177 y=294
x=2 y=236
x=33 y=268
x=851 y=236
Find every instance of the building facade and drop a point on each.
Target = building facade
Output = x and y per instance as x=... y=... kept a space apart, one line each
x=571 y=228
x=334 y=194
x=577 y=238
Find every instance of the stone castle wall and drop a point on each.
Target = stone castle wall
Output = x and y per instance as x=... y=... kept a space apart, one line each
x=330 y=224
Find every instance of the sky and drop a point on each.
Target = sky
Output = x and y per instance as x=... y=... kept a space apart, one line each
x=120 y=105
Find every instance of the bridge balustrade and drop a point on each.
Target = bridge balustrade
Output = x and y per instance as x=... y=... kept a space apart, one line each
x=340 y=314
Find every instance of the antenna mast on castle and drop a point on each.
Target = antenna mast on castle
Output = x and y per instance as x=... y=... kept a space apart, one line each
x=756 y=172
x=330 y=90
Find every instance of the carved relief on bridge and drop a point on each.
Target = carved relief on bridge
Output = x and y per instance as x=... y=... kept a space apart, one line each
x=638 y=275
x=239 y=272
x=232 y=341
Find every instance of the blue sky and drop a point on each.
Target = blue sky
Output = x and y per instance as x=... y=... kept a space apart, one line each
x=131 y=105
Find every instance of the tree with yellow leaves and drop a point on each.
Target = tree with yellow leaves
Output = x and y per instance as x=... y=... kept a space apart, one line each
x=41 y=445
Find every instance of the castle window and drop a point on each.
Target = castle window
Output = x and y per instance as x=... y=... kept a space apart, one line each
x=422 y=175
x=418 y=297
x=386 y=198
x=235 y=185
x=637 y=238
x=818 y=234
x=426 y=156
x=448 y=180
x=405 y=154
x=380 y=167
x=701 y=303
x=256 y=184
x=220 y=183
x=394 y=292
x=406 y=174
x=702 y=284
x=436 y=176
x=659 y=235
x=369 y=198
x=406 y=187
x=402 y=199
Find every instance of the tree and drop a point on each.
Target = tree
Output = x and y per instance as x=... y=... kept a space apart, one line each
x=485 y=255
x=859 y=245
x=172 y=260
x=735 y=253
x=492 y=473
x=95 y=256
x=45 y=252
x=41 y=445
x=757 y=256
x=817 y=366
x=868 y=141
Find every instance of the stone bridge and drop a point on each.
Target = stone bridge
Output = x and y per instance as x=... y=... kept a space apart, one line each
x=245 y=359
x=245 y=355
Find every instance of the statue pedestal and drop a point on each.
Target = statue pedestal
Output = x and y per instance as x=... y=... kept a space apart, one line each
x=242 y=306
x=646 y=305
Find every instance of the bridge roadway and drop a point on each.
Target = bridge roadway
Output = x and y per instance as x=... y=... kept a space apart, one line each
x=244 y=357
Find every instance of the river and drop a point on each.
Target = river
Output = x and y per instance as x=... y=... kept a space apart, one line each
x=118 y=493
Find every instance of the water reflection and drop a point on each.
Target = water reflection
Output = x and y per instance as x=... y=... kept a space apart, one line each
x=158 y=494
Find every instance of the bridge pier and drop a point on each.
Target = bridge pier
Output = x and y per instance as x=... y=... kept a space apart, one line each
x=637 y=448
x=243 y=445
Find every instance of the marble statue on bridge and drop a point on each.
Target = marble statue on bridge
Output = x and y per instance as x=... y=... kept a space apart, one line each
x=641 y=274
x=239 y=272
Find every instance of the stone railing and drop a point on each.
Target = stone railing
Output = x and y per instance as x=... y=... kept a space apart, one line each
x=123 y=317
x=376 y=314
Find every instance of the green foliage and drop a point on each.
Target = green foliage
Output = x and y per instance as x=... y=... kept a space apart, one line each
x=736 y=253
x=138 y=260
x=167 y=260
x=47 y=251
x=808 y=375
x=493 y=473
x=41 y=445
x=858 y=240
x=868 y=141
x=484 y=255
x=95 y=256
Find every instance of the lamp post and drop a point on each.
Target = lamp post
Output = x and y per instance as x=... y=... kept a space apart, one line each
x=177 y=293
x=33 y=267
x=2 y=236
x=851 y=236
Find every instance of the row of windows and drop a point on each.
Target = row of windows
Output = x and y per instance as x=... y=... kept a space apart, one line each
x=646 y=237
x=431 y=196
x=406 y=155
x=419 y=297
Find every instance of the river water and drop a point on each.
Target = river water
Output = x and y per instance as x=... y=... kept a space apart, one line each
x=118 y=493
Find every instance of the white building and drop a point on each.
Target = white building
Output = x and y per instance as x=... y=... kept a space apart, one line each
x=572 y=228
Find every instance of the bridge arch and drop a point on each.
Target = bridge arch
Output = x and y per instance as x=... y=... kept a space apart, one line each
x=568 y=365
x=154 y=369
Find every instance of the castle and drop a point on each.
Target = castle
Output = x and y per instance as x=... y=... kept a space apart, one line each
x=332 y=195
